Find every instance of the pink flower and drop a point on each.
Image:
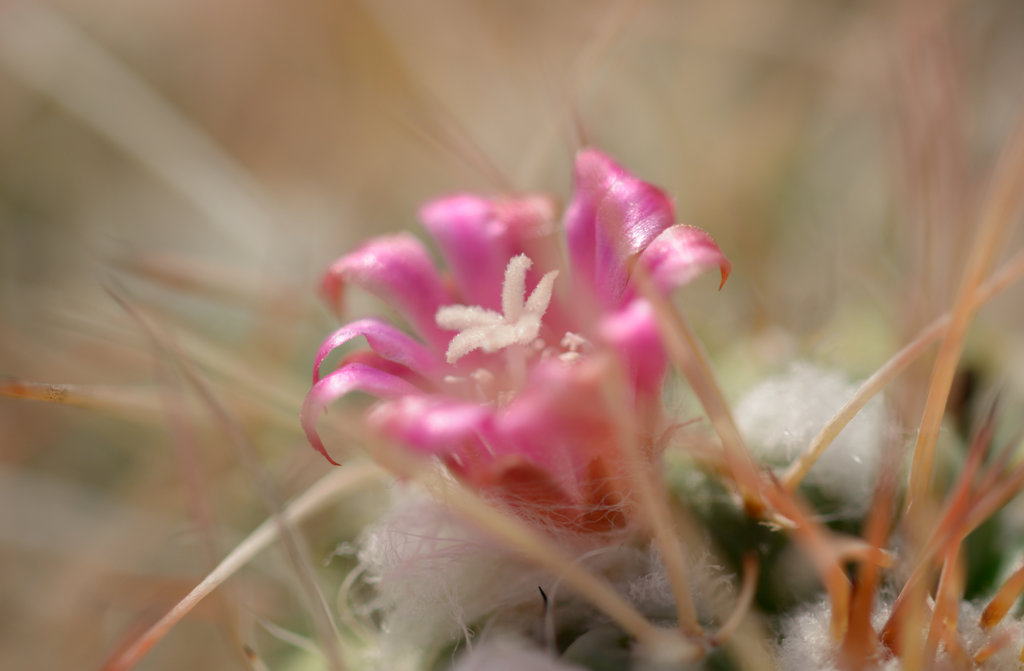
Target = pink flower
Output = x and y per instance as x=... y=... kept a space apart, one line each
x=505 y=381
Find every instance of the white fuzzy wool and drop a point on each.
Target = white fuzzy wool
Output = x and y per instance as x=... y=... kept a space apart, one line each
x=975 y=638
x=806 y=643
x=779 y=418
x=434 y=578
x=711 y=587
x=438 y=582
x=508 y=654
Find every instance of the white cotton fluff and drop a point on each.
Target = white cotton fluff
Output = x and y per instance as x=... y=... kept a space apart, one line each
x=435 y=578
x=780 y=417
x=438 y=581
x=806 y=644
x=711 y=586
x=510 y=654
x=975 y=638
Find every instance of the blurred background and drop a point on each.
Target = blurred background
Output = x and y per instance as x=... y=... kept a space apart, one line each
x=204 y=162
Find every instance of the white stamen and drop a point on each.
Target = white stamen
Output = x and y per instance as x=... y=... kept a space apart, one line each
x=489 y=331
x=513 y=290
x=460 y=317
x=573 y=341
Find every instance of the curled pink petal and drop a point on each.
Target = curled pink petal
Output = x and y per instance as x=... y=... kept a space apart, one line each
x=633 y=333
x=398 y=270
x=436 y=426
x=558 y=420
x=365 y=357
x=349 y=378
x=612 y=218
x=387 y=341
x=680 y=254
x=478 y=236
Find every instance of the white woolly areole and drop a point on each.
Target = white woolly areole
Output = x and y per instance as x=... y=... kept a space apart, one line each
x=806 y=644
x=480 y=328
x=780 y=417
x=437 y=581
x=508 y=654
x=434 y=578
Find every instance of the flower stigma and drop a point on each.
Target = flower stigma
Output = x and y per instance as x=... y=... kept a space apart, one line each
x=489 y=331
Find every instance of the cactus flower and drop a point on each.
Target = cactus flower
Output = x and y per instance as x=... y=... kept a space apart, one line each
x=504 y=381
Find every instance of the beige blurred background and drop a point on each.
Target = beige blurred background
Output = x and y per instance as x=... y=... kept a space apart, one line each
x=206 y=160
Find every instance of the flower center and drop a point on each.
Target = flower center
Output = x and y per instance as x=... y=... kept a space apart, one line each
x=487 y=330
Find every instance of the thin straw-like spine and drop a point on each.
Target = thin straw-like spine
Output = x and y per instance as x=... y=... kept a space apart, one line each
x=649 y=488
x=1002 y=208
x=1004 y=599
x=861 y=641
x=748 y=589
x=339 y=482
x=813 y=538
x=687 y=354
x=1006 y=276
x=48 y=53
x=128 y=402
x=947 y=602
x=294 y=548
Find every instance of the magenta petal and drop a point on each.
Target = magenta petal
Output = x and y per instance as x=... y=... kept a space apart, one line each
x=555 y=420
x=680 y=254
x=436 y=426
x=478 y=236
x=398 y=270
x=387 y=341
x=613 y=217
x=348 y=378
x=633 y=332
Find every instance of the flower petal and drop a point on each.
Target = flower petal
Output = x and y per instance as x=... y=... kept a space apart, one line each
x=557 y=421
x=350 y=377
x=398 y=270
x=680 y=254
x=528 y=489
x=633 y=333
x=370 y=358
x=387 y=341
x=613 y=217
x=436 y=426
x=478 y=236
